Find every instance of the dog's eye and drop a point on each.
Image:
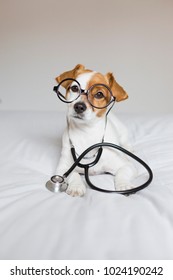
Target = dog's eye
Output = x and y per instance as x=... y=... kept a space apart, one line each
x=74 y=88
x=99 y=95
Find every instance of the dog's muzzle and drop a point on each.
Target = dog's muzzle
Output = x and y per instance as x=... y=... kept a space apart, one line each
x=80 y=107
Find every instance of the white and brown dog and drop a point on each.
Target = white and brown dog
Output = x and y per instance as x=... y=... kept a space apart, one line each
x=86 y=126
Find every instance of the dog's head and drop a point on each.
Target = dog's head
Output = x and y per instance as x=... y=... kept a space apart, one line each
x=81 y=108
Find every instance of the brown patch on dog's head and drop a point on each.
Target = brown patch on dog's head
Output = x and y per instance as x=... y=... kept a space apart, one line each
x=72 y=74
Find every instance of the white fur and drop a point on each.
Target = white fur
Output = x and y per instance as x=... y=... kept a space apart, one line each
x=83 y=79
x=87 y=131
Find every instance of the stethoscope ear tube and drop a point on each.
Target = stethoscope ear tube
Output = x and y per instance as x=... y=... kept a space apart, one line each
x=87 y=166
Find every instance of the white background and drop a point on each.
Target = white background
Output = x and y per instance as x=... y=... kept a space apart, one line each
x=42 y=38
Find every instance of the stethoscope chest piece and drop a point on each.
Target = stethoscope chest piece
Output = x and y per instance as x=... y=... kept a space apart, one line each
x=56 y=183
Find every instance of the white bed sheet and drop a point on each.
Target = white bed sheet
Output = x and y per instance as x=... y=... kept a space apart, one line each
x=37 y=224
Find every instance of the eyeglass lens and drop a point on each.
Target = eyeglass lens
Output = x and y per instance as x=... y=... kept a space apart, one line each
x=99 y=96
x=69 y=90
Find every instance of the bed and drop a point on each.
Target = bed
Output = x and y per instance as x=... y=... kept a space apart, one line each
x=38 y=224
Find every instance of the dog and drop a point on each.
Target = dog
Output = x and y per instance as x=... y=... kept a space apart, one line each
x=87 y=125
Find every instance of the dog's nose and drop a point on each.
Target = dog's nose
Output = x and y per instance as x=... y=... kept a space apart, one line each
x=80 y=107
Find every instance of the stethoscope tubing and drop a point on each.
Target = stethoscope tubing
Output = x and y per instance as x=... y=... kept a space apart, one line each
x=87 y=166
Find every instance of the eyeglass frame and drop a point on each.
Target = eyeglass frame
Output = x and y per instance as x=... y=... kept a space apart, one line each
x=83 y=92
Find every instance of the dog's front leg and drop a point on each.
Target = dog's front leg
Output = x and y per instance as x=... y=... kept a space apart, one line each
x=124 y=177
x=76 y=186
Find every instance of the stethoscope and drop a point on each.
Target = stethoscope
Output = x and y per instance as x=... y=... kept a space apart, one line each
x=59 y=183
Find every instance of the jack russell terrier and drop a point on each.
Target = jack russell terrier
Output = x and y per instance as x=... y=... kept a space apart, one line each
x=90 y=96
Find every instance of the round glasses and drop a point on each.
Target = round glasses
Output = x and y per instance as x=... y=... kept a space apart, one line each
x=99 y=95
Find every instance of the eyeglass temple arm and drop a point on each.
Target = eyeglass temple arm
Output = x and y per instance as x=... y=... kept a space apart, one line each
x=55 y=89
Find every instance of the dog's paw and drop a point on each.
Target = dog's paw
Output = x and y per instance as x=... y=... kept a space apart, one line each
x=76 y=186
x=123 y=186
x=75 y=190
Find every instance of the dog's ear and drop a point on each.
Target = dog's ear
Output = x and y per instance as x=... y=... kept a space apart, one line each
x=117 y=91
x=70 y=74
